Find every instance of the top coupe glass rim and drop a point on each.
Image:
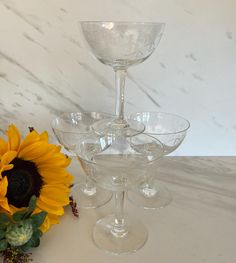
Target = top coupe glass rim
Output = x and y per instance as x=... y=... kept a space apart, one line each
x=121 y=22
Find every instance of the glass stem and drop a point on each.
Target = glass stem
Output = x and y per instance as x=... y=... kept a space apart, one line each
x=120 y=75
x=119 y=229
x=89 y=184
x=90 y=188
x=146 y=181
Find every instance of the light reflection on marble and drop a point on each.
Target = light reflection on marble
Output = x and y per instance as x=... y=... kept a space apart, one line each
x=212 y=181
x=197 y=227
x=45 y=67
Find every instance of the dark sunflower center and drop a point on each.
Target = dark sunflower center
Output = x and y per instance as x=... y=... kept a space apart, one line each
x=24 y=181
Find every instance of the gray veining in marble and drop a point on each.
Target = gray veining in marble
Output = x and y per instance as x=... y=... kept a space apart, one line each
x=197 y=77
x=163 y=65
x=35 y=42
x=21 y=16
x=144 y=91
x=229 y=35
x=191 y=56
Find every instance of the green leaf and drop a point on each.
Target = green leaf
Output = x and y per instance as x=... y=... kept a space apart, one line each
x=4 y=219
x=31 y=207
x=3 y=226
x=38 y=233
x=38 y=219
x=33 y=242
x=2 y=233
x=3 y=245
x=35 y=239
x=32 y=204
x=26 y=246
x=20 y=215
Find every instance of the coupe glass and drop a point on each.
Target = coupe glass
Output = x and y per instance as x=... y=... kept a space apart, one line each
x=118 y=165
x=70 y=129
x=121 y=45
x=171 y=130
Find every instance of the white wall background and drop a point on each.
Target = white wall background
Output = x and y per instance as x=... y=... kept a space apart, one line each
x=45 y=67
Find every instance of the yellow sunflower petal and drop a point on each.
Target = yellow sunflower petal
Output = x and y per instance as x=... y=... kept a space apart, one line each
x=30 y=138
x=3 y=187
x=3 y=146
x=59 y=176
x=4 y=204
x=51 y=201
x=60 y=171
x=35 y=150
x=3 y=191
x=46 y=225
x=49 y=220
x=57 y=159
x=14 y=209
x=5 y=160
x=51 y=151
x=8 y=157
x=55 y=195
x=5 y=168
x=50 y=208
x=13 y=138
x=54 y=219
x=44 y=136
x=68 y=181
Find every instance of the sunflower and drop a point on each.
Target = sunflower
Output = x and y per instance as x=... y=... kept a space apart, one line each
x=33 y=167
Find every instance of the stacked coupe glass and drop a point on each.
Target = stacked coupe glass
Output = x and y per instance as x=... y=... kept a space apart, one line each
x=120 y=154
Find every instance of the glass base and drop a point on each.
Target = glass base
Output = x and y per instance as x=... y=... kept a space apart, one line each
x=90 y=197
x=132 y=239
x=110 y=126
x=155 y=196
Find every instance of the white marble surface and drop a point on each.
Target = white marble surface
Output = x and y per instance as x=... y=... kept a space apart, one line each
x=45 y=67
x=197 y=227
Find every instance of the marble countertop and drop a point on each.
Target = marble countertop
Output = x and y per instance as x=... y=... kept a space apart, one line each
x=198 y=226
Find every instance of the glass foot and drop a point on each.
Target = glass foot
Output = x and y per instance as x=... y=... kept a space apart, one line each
x=90 y=197
x=111 y=126
x=153 y=197
x=132 y=239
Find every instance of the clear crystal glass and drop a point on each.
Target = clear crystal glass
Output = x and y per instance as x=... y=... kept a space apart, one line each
x=121 y=45
x=119 y=162
x=70 y=129
x=171 y=130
